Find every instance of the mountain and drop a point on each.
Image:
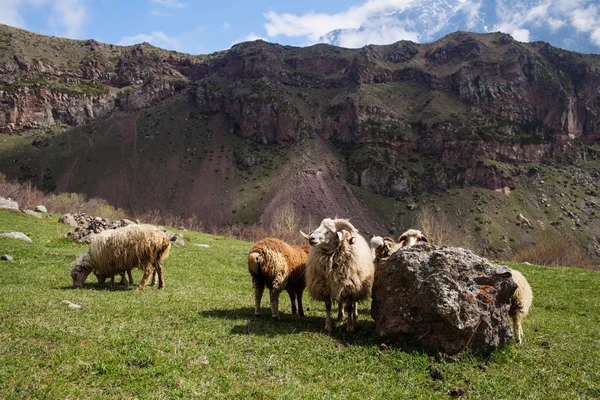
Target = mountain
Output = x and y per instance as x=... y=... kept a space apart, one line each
x=571 y=26
x=375 y=134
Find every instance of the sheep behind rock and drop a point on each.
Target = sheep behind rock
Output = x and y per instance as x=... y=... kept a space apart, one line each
x=339 y=268
x=279 y=266
x=120 y=250
x=411 y=237
x=520 y=303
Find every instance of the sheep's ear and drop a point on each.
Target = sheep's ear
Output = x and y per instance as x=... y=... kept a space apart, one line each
x=304 y=235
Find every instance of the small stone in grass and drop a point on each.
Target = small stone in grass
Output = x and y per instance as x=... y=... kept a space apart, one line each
x=436 y=374
x=456 y=392
x=6 y=257
x=545 y=345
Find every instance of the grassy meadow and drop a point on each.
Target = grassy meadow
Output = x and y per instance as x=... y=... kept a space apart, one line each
x=198 y=337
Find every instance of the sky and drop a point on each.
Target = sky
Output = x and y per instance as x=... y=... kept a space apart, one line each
x=201 y=27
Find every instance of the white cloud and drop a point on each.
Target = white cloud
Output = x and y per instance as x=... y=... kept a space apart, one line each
x=169 y=3
x=314 y=25
x=65 y=17
x=69 y=15
x=585 y=19
x=595 y=36
x=249 y=38
x=226 y=25
x=384 y=34
x=555 y=24
x=156 y=38
x=10 y=13
x=156 y=13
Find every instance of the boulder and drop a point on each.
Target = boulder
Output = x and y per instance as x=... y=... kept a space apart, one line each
x=6 y=257
x=33 y=213
x=8 y=204
x=16 y=235
x=444 y=297
x=41 y=209
x=68 y=219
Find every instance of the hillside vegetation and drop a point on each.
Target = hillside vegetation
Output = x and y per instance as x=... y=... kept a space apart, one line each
x=198 y=338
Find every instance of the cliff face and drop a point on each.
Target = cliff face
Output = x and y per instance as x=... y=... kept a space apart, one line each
x=470 y=102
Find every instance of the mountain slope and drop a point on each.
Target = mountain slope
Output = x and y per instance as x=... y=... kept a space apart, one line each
x=371 y=133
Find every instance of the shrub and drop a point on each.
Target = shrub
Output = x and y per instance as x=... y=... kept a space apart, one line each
x=561 y=251
x=440 y=231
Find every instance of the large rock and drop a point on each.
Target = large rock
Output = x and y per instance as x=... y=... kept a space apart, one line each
x=41 y=209
x=16 y=235
x=8 y=204
x=68 y=219
x=445 y=297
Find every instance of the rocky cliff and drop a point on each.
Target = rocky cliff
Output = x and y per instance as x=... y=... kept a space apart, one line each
x=398 y=120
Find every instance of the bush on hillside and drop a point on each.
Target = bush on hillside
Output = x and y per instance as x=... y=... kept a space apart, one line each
x=556 y=252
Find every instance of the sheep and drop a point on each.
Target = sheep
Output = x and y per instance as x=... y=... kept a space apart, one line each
x=279 y=266
x=383 y=247
x=524 y=221
x=119 y=250
x=520 y=304
x=339 y=268
x=411 y=237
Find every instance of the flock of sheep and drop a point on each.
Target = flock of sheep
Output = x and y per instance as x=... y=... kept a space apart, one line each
x=338 y=266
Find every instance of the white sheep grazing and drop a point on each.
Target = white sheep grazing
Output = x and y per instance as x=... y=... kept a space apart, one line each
x=520 y=304
x=119 y=250
x=339 y=268
x=524 y=221
x=279 y=266
x=411 y=237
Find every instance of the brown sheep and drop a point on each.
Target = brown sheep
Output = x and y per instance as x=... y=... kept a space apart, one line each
x=279 y=266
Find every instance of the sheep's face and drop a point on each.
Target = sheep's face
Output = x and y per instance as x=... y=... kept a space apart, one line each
x=80 y=269
x=411 y=237
x=326 y=237
x=79 y=275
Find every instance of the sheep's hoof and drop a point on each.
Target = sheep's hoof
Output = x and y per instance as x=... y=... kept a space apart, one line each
x=256 y=315
x=276 y=318
x=328 y=326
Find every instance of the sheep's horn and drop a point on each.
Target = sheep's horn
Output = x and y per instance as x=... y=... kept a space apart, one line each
x=304 y=235
x=342 y=224
x=422 y=238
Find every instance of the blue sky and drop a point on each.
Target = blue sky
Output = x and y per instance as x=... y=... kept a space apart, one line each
x=200 y=27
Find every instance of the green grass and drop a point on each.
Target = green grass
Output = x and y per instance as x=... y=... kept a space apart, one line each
x=197 y=338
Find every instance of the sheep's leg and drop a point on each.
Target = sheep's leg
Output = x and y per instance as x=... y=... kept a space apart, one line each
x=259 y=287
x=125 y=280
x=112 y=281
x=340 y=316
x=145 y=277
x=300 y=308
x=355 y=306
x=518 y=328
x=293 y=300
x=161 y=277
x=275 y=303
x=328 y=321
x=351 y=311
x=153 y=281
x=130 y=277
